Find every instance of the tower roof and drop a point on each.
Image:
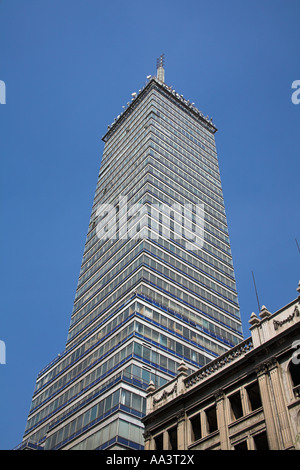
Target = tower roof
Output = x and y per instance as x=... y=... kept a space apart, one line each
x=155 y=81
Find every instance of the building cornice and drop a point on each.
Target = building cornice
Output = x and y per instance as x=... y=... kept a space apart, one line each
x=179 y=99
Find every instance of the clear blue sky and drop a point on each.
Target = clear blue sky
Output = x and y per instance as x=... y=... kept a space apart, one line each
x=69 y=66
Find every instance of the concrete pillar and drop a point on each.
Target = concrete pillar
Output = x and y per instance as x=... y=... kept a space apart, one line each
x=262 y=374
x=204 y=425
x=149 y=443
x=182 y=431
x=280 y=405
x=255 y=330
x=166 y=440
x=245 y=401
x=221 y=419
x=250 y=443
x=149 y=397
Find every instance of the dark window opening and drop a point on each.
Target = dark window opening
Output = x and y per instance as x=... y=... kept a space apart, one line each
x=173 y=438
x=261 y=441
x=236 y=405
x=196 y=427
x=254 y=396
x=295 y=373
x=211 y=415
x=159 y=442
x=241 y=446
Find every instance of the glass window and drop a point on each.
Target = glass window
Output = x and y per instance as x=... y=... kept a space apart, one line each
x=107 y=404
x=163 y=340
x=146 y=353
x=136 y=371
x=136 y=402
x=93 y=413
x=178 y=348
x=104 y=434
x=145 y=375
x=138 y=349
x=123 y=429
x=100 y=408
x=155 y=336
x=125 y=398
x=147 y=332
x=163 y=362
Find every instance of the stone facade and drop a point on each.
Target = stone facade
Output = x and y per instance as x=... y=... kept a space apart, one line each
x=246 y=399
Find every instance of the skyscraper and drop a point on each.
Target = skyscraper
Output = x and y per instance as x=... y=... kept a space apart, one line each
x=156 y=286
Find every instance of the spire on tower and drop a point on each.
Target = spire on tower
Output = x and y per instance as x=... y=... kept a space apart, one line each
x=160 y=62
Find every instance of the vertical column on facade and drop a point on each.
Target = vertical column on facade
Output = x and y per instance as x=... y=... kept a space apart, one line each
x=262 y=372
x=221 y=419
x=245 y=401
x=149 y=397
x=181 y=431
x=250 y=443
x=203 y=421
x=280 y=405
x=149 y=441
x=166 y=440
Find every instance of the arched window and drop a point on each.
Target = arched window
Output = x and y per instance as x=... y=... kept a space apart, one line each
x=295 y=373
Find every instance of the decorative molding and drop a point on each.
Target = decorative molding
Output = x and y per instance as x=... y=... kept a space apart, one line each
x=266 y=366
x=165 y=394
x=239 y=350
x=279 y=323
x=261 y=369
x=219 y=394
x=180 y=415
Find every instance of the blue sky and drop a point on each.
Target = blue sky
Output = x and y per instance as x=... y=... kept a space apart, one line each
x=69 y=66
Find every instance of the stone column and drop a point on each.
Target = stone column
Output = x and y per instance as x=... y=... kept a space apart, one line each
x=262 y=374
x=221 y=419
x=245 y=401
x=149 y=397
x=285 y=428
x=250 y=443
x=204 y=426
x=181 y=431
x=148 y=441
x=166 y=440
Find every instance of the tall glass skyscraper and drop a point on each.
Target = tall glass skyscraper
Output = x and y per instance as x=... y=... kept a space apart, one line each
x=156 y=286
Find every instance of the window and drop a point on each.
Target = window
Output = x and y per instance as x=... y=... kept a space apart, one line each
x=195 y=428
x=173 y=438
x=211 y=416
x=125 y=398
x=136 y=402
x=241 y=446
x=236 y=406
x=295 y=373
x=254 y=396
x=123 y=429
x=159 y=442
x=261 y=441
x=93 y=413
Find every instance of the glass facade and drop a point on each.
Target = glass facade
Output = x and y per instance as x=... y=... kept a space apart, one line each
x=156 y=285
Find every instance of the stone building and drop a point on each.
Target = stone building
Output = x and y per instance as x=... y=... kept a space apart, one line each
x=246 y=399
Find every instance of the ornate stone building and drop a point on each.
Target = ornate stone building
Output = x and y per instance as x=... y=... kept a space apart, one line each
x=246 y=399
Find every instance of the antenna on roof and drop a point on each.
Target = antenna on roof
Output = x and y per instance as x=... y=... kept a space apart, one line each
x=160 y=63
x=256 y=292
